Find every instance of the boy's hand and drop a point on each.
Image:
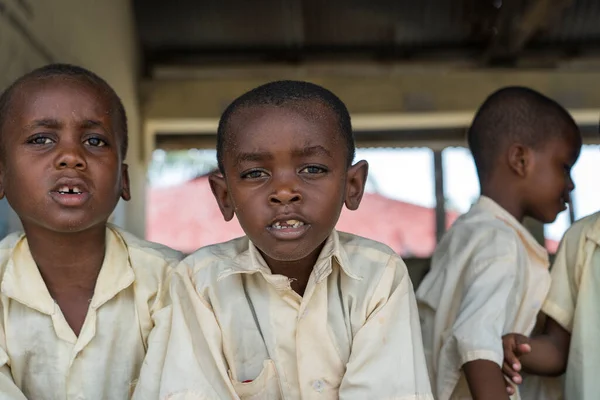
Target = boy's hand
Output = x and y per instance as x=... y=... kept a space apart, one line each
x=515 y=346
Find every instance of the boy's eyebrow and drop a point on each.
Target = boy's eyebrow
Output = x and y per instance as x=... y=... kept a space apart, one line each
x=92 y=123
x=301 y=152
x=312 y=150
x=258 y=156
x=44 y=123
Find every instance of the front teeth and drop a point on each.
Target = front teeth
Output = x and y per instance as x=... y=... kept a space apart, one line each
x=67 y=190
x=290 y=223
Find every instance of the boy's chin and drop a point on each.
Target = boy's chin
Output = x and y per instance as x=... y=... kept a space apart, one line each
x=63 y=226
x=292 y=254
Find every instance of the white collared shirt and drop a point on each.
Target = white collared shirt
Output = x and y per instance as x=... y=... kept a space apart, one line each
x=488 y=277
x=239 y=331
x=573 y=302
x=40 y=355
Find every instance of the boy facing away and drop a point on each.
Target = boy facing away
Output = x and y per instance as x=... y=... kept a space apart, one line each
x=294 y=309
x=488 y=275
x=573 y=324
x=77 y=295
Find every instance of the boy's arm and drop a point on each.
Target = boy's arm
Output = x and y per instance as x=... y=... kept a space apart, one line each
x=387 y=359
x=8 y=388
x=485 y=380
x=547 y=354
x=185 y=358
x=544 y=355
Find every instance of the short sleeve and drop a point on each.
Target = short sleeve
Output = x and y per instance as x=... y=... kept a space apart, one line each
x=561 y=299
x=489 y=282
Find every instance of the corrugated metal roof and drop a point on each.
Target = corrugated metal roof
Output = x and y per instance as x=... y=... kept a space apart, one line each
x=296 y=27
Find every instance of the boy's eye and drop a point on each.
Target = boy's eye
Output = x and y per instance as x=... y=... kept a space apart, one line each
x=95 y=142
x=313 y=169
x=255 y=174
x=40 y=140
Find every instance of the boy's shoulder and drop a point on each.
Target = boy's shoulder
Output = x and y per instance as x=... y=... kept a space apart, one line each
x=359 y=249
x=8 y=243
x=476 y=236
x=6 y=248
x=588 y=226
x=480 y=225
x=143 y=253
x=220 y=256
x=368 y=259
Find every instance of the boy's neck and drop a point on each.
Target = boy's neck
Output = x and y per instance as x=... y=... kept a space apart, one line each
x=506 y=197
x=68 y=262
x=297 y=271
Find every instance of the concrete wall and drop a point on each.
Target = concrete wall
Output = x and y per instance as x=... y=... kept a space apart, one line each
x=96 y=34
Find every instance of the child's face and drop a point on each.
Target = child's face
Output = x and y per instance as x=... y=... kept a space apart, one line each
x=549 y=182
x=61 y=168
x=286 y=179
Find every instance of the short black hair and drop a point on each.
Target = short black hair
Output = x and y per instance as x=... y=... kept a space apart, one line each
x=69 y=71
x=515 y=114
x=284 y=94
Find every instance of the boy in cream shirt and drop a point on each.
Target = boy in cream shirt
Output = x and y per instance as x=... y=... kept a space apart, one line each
x=77 y=296
x=488 y=275
x=568 y=342
x=293 y=310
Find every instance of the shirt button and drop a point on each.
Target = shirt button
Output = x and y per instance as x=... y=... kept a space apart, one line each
x=318 y=385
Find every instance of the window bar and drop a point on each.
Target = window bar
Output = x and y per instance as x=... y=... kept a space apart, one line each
x=440 y=203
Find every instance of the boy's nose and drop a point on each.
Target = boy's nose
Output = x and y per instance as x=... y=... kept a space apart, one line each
x=570 y=185
x=285 y=196
x=70 y=156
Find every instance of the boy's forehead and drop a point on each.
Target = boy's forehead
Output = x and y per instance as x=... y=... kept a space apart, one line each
x=311 y=121
x=52 y=95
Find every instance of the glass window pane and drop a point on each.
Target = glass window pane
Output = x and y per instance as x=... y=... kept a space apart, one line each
x=461 y=186
x=586 y=198
x=398 y=206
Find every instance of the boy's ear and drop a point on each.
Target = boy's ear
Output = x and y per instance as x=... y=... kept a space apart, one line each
x=355 y=184
x=125 y=188
x=519 y=158
x=218 y=185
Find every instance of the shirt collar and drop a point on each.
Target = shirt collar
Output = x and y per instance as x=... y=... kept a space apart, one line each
x=23 y=282
x=527 y=238
x=593 y=234
x=251 y=261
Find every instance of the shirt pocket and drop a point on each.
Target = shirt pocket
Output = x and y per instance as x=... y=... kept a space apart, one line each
x=264 y=386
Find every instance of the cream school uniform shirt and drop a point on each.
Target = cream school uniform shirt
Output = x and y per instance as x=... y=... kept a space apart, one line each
x=40 y=356
x=239 y=331
x=488 y=277
x=574 y=302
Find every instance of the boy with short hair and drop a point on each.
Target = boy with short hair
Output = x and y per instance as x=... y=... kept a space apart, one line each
x=568 y=342
x=488 y=275
x=294 y=309
x=78 y=296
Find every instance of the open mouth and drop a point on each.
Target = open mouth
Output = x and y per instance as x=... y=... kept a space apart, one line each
x=69 y=190
x=70 y=193
x=288 y=229
x=288 y=224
